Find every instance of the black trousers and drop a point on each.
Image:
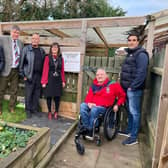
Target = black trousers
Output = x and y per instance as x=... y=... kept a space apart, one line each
x=57 y=103
x=33 y=90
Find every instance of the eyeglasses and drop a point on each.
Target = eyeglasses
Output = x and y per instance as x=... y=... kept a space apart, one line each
x=132 y=40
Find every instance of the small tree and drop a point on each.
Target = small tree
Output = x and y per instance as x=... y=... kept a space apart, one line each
x=85 y=8
x=17 y=10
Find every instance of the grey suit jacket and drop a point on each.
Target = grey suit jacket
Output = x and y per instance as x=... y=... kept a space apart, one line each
x=6 y=43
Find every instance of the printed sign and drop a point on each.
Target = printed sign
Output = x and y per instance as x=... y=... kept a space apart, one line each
x=71 y=61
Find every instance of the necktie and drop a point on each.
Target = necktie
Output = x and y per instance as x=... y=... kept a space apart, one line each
x=16 y=53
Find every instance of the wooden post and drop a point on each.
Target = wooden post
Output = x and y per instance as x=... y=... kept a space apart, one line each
x=82 y=55
x=1 y=33
x=162 y=113
x=146 y=95
x=163 y=161
x=150 y=38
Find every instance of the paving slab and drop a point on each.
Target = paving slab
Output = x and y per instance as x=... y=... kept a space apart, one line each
x=112 y=154
x=57 y=127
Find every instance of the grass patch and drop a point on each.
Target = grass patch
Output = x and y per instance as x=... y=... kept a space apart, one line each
x=16 y=117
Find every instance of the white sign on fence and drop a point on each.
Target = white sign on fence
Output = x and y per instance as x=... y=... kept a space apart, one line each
x=71 y=61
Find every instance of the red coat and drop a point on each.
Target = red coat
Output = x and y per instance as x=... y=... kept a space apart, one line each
x=106 y=95
x=44 y=79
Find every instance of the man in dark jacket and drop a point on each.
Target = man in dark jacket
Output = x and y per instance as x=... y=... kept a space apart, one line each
x=101 y=95
x=133 y=74
x=2 y=58
x=31 y=66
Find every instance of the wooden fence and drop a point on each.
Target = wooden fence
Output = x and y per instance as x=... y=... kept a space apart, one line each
x=157 y=107
x=68 y=99
x=156 y=79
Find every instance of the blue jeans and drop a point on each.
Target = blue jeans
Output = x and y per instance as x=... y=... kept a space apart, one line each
x=88 y=115
x=134 y=112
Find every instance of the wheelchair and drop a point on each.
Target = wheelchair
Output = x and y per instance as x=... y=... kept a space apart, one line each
x=111 y=125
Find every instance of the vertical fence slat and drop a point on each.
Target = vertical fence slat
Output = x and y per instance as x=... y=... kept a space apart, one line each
x=83 y=51
x=163 y=161
x=110 y=66
x=98 y=62
x=162 y=112
x=85 y=78
x=92 y=65
x=104 y=62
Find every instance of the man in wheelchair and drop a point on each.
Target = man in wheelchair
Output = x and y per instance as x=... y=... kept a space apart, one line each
x=101 y=97
x=102 y=94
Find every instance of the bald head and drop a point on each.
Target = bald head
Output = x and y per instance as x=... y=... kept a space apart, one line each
x=101 y=75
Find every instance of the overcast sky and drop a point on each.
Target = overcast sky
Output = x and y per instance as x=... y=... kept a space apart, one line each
x=140 y=7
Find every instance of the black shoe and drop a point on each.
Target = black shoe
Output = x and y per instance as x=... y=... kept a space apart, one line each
x=38 y=114
x=83 y=130
x=90 y=133
x=29 y=114
x=130 y=141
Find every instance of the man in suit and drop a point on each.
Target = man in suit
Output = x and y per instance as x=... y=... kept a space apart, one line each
x=2 y=59
x=12 y=49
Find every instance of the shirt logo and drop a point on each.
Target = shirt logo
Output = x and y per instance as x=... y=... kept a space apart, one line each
x=107 y=89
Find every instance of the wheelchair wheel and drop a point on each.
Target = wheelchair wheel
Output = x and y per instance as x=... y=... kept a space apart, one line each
x=111 y=123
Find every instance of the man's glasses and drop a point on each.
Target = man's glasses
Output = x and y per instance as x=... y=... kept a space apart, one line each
x=132 y=40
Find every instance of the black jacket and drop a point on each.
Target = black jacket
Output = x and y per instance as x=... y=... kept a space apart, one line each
x=2 y=58
x=27 y=61
x=134 y=69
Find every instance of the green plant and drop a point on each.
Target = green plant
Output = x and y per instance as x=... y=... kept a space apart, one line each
x=12 y=138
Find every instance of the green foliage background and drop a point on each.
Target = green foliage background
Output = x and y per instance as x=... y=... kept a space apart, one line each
x=20 y=10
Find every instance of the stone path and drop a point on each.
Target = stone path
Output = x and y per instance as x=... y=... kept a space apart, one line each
x=112 y=154
x=58 y=127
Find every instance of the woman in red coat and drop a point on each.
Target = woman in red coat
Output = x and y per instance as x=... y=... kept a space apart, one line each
x=53 y=78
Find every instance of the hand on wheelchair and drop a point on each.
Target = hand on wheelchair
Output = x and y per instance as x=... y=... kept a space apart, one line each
x=115 y=108
x=90 y=105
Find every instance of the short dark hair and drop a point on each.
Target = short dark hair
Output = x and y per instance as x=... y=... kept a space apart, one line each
x=15 y=27
x=133 y=34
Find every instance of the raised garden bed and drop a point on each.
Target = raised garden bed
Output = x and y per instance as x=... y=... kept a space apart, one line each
x=32 y=145
x=12 y=138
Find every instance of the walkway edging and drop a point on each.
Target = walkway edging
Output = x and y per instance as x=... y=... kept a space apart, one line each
x=53 y=150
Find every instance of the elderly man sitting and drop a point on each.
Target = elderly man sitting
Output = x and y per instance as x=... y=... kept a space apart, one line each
x=101 y=95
